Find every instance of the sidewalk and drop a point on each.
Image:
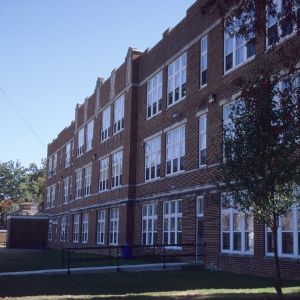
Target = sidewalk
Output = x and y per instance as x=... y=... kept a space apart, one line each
x=88 y=270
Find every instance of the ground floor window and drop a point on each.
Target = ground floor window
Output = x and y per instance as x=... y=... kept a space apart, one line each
x=101 y=227
x=288 y=235
x=85 y=228
x=63 y=229
x=237 y=233
x=149 y=224
x=114 y=226
x=172 y=222
x=50 y=229
x=76 y=228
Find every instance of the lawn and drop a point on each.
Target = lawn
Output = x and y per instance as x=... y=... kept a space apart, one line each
x=12 y=260
x=144 y=285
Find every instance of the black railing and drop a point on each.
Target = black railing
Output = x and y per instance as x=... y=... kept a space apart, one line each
x=132 y=254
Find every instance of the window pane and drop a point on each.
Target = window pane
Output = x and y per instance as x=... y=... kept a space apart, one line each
x=287 y=243
x=226 y=240
x=237 y=245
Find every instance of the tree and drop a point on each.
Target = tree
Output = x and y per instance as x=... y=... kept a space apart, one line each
x=261 y=145
x=262 y=140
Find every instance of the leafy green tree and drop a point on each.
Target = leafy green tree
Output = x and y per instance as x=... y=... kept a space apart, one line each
x=261 y=144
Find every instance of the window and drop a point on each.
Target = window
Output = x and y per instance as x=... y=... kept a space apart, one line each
x=203 y=67
x=177 y=80
x=175 y=150
x=288 y=235
x=101 y=227
x=76 y=228
x=238 y=48
x=66 y=189
x=237 y=234
x=50 y=166
x=78 y=183
x=48 y=200
x=58 y=193
x=103 y=178
x=63 y=229
x=85 y=228
x=50 y=230
x=202 y=140
x=200 y=206
x=152 y=158
x=53 y=196
x=149 y=224
x=89 y=135
x=68 y=155
x=119 y=114
x=117 y=165
x=87 y=180
x=228 y=127
x=105 y=124
x=54 y=164
x=114 y=226
x=80 y=142
x=154 y=95
x=172 y=222
x=281 y=25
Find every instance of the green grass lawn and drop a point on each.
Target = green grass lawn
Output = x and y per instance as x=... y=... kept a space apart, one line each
x=12 y=260
x=144 y=285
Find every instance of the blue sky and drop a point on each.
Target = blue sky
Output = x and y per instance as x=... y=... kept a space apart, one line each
x=52 y=52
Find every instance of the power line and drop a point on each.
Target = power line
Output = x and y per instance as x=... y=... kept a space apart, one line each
x=21 y=116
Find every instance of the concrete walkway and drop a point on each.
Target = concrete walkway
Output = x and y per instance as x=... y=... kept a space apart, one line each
x=87 y=270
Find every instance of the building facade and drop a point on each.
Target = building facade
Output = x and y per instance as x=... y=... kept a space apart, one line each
x=139 y=162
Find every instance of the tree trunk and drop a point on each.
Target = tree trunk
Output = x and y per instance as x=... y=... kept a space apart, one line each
x=278 y=282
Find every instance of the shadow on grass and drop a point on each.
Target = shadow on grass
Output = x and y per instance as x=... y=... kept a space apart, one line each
x=141 y=285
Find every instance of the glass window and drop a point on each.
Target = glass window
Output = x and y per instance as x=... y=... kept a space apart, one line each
x=87 y=180
x=114 y=227
x=80 y=142
x=152 y=158
x=89 y=135
x=63 y=229
x=78 y=183
x=101 y=227
x=103 y=178
x=202 y=139
x=172 y=222
x=76 y=228
x=203 y=67
x=149 y=224
x=200 y=206
x=85 y=228
x=119 y=114
x=154 y=95
x=68 y=155
x=117 y=169
x=177 y=80
x=175 y=150
x=105 y=124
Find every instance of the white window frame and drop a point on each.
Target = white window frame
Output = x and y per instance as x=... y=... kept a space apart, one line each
x=203 y=140
x=154 y=95
x=76 y=226
x=295 y=232
x=153 y=158
x=48 y=199
x=119 y=114
x=79 y=180
x=235 y=47
x=114 y=226
x=87 y=184
x=68 y=155
x=177 y=80
x=203 y=61
x=175 y=149
x=50 y=230
x=63 y=228
x=53 y=196
x=168 y=215
x=50 y=166
x=149 y=224
x=274 y=21
x=104 y=174
x=231 y=211
x=80 y=145
x=101 y=227
x=105 y=124
x=200 y=206
x=117 y=169
x=54 y=166
x=89 y=135
x=66 y=190
x=85 y=228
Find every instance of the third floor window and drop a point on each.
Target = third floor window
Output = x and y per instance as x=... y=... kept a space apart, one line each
x=80 y=144
x=154 y=95
x=89 y=135
x=177 y=79
x=119 y=114
x=105 y=124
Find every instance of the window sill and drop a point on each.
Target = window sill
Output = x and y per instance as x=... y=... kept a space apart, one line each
x=174 y=103
x=174 y=174
x=175 y=248
x=104 y=191
x=153 y=116
x=117 y=132
x=284 y=257
x=239 y=66
x=116 y=187
x=281 y=41
x=103 y=141
x=152 y=180
x=237 y=253
x=203 y=87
